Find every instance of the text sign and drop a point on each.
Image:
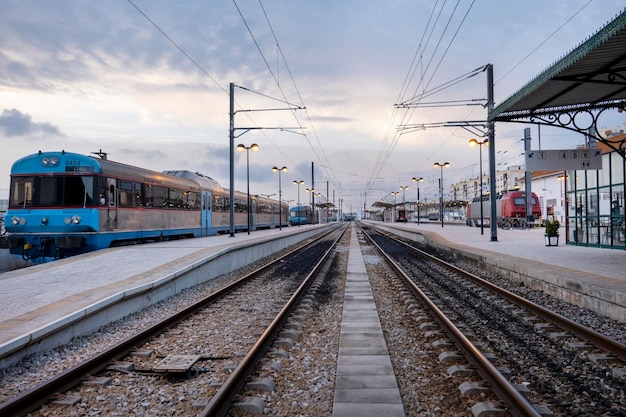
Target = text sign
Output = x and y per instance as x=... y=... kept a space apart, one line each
x=565 y=159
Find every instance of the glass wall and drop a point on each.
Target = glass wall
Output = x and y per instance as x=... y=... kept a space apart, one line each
x=595 y=205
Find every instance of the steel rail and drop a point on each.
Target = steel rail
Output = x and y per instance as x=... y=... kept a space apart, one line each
x=34 y=398
x=221 y=402
x=517 y=404
x=599 y=340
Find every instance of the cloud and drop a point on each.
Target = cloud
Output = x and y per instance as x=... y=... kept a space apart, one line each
x=15 y=123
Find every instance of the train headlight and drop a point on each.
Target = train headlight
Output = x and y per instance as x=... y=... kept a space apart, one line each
x=44 y=220
x=52 y=161
x=76 y=219
x=15 y=220
x=67 y=220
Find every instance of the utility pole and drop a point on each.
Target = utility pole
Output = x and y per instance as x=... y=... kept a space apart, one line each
x=313 y=193
x=491 y=135
x=231 y=137
x=528 y=180
x=232 y=159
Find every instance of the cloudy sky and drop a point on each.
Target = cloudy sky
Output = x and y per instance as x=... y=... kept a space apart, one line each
x=147 y=82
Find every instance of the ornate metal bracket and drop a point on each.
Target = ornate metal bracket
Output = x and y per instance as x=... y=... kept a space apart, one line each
x=584 y=121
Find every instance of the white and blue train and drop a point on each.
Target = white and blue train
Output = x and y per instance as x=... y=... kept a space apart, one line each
x=300 y=215
x=63 y=204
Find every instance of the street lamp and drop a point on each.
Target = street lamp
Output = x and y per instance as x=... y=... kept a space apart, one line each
x=280 y=196
x=240 y=148
x=312 y=191
x=441 y=166
x=393 y=208
x=298 y=183
x=406 y=187
x=565 y=208
x=474 y=142
x=417 y=185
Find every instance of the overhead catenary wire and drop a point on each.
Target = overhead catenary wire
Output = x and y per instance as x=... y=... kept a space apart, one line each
x=382 y=161
x=217 y=83
x=277 y=82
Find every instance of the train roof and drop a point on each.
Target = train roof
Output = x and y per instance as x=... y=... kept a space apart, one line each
x=77 y=164
x=202 y=180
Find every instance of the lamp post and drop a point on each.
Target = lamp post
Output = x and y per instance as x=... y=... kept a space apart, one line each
x=417 y=186
x=280 y=196
x=393 y=208
x=474 y=142
x=565 y=208
x=404 y=188
x=441 y=166
x=240 y=148
x=312 y=191
x=298 y=183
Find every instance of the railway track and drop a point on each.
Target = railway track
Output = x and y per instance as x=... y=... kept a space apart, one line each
x=175 y=357
x=542 y=367
x=535 y=361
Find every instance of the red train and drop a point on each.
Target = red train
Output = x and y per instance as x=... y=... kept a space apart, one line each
x=510 y=209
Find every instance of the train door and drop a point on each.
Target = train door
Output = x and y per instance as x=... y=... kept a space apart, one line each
x=206 y=213
x=112 y=203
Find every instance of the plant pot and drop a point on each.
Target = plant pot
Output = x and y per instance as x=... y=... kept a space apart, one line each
x=552 y=240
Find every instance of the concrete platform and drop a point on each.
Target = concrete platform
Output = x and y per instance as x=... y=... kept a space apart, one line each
x=366 y=384
x=591 y=277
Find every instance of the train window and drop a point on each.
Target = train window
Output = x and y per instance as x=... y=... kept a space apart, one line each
x=193 y=200
x=241 y=206
x=77 y=191
x=176 y=199
x=137 y=194
x=21 y=192
x=102 y=190
x=126 y=193
x=46 y=191
x=146 y=195
x=219 y=203
x=264 y=208
x=159 y=196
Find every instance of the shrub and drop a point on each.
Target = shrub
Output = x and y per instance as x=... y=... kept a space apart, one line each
x=552 y=227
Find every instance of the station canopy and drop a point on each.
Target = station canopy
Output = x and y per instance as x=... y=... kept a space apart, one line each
x=575 y=91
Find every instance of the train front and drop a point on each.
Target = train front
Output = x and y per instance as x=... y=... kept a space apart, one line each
x=52 y=211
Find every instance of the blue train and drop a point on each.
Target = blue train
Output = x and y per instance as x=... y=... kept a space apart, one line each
x=300 y=215
x=63 y=204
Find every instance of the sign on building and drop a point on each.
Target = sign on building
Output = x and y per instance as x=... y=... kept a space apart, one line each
x=564 y=159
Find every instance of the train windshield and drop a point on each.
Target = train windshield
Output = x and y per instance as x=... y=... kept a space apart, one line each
x=521 y=201
x=40 y=191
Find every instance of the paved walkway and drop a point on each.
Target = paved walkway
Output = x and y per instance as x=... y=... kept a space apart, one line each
x=366 y=384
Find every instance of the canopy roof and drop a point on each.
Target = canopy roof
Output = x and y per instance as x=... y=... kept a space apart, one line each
x=593 y=73
x=587 y=81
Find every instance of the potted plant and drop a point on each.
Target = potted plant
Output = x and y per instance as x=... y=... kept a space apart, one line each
x=552 y=232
